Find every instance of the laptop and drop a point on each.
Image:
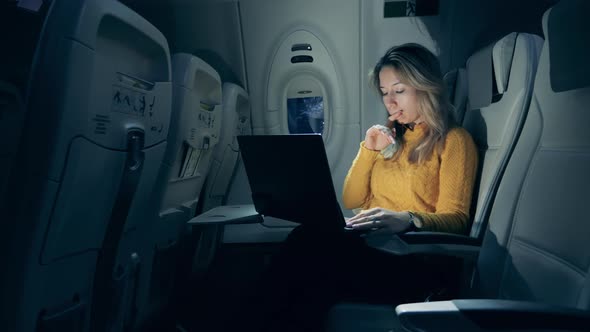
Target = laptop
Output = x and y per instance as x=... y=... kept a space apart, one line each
x=290 y=179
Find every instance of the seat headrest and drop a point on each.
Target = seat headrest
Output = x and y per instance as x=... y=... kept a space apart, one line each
x=488 y=65
x=456 y=82
x=450 y=79
x=502 y=58
x=563 y=26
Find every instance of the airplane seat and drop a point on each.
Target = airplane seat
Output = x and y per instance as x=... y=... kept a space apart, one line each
x=533 y=269
x=194 y=134
x=97 y=114
x=500 y=85
x=538 y=232
x=236 y=121
x=198 y=97
x=456 y=81
x=12 y=116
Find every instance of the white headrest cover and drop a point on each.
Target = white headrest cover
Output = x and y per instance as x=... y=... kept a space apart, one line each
x=479 y=70
x=450 y=79
x=502 y=58
x=479 y=78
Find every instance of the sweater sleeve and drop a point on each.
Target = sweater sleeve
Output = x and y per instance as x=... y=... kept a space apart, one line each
x=357 y=184
x=458 y=168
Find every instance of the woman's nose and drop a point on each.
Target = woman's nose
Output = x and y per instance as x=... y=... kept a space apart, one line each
x=391 y=98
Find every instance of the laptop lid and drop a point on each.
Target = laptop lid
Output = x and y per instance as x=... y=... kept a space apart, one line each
x=290 y=178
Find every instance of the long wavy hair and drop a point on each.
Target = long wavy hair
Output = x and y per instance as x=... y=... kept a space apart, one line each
x=417 y=67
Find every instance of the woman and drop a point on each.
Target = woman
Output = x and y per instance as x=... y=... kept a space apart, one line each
x=426 y=184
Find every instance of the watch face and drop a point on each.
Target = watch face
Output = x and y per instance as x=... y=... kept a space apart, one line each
x=415 y=221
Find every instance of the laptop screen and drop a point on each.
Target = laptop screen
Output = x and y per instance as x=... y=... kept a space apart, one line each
x=290 y=179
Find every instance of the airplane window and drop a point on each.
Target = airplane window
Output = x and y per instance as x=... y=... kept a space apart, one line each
x=305 y=115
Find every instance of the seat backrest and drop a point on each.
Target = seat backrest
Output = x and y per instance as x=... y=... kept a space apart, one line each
x=194 y=134
x=236 y=121
x=500 y=80
x=97 y=115
x=198 y=98
x=456 y=81
x=536 y=247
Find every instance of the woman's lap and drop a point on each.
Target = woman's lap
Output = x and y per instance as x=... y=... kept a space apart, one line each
x=315 y=270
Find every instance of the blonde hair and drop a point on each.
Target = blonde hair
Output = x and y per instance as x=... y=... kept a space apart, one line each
x=417 y=67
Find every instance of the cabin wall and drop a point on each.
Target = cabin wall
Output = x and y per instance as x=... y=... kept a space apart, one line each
x=336 y=24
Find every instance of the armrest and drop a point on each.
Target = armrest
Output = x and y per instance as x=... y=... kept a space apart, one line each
x=438 y=238
x=480 y=315
x=425 y=243
x=228 y=215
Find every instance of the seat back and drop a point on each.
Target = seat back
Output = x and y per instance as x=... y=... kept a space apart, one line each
x=456 y=81
x=536 y=247
x=198 y=98
x=194 y=134
x=236 y=121
x=500 y=81
x=98 y=108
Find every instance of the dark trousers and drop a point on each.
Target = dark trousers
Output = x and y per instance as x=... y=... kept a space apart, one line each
x=315 y=270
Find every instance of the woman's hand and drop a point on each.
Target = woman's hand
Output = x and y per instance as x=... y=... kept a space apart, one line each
x=379 y=218
x=376 y=139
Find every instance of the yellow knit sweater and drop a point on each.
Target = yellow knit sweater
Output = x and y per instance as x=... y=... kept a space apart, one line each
x=437 y=191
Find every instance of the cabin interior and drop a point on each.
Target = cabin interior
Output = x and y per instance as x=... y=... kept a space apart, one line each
x=125 y=203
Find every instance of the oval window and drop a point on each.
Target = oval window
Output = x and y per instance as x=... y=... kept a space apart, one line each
x=305 y=105
x=306 y=115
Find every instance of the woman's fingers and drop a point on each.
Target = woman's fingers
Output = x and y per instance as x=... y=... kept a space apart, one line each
x=394 y=116
x=373 y=224
x=365 y=213
x=364 y=216
x=373 y=130
x=377 y=139
x=379 y=218
x=371 y=138
x=383 y=140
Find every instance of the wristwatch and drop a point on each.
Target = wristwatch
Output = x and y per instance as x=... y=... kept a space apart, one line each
x=415 y=223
